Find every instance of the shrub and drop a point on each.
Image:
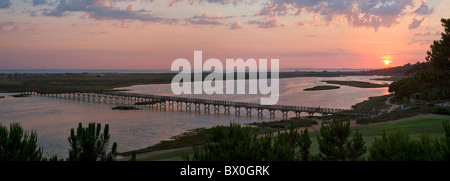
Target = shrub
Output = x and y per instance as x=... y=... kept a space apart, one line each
x=398 y=146
x=442 y=145
x=236 y=143
x=228 y=144
x=440 y=110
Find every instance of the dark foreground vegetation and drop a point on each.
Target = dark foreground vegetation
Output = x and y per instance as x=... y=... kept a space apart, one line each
x=86 y=144
x=196 y=137
x=337 y=142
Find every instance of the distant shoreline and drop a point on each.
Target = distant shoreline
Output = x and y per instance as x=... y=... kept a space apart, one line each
x=54 y=71
x=12 y=82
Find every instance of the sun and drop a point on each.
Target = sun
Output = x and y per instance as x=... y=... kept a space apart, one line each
x=387 y=62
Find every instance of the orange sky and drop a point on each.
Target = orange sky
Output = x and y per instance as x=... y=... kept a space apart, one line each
x=127 y=34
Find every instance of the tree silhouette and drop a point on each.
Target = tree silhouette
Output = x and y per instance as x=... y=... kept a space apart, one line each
x=439 y=56
x=18 y=145
x=89 y=144
x=335 y=145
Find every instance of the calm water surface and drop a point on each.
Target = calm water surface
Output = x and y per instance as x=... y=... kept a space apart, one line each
x=52 y=118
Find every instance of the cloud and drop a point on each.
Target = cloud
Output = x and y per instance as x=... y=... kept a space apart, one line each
x=428 y=33
x=221 y=2
x=421 y=42
x=5 y=4
x=13 y=27
x=206 y=19
x=415 y=23
x=104 y=10
x=39 y=2
x=423 y=9
x=172 y=2
x=236 y=25
x=364 y=13
x=130 y=7
x=267 y=22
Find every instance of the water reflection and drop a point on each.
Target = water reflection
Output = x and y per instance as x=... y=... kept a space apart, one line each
x=291 y=92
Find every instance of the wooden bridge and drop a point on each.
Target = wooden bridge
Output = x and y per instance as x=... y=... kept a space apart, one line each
x=197 y=104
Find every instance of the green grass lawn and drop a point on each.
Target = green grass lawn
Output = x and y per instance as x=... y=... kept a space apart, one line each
x=415 y=126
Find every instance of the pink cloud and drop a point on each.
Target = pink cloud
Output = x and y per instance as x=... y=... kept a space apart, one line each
x=13 y=27
x=130 y=7
x=416 y=23
x=236 y=25
x=267 y=22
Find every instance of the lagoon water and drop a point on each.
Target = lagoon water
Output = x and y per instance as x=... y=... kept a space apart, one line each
x=52 y=118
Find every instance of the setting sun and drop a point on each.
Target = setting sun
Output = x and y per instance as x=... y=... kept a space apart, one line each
x=386 y=62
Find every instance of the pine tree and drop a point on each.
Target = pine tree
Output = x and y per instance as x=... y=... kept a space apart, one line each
x=89 y=144
x=18 y=145
x=335 y=145
x=439 y=56
x=304 y=143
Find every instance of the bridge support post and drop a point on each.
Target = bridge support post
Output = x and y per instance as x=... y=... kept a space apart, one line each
x=237 y=110
x=260 y=112
x=272 y=112
x=216 y=108
x=227 y=109
x=188 y=105
x=179 y=105
x=206 y=108
x=162 y=104
x=285 y=114
x=197 y=107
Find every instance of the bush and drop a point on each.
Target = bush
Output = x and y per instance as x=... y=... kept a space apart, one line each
x=18 y=145
x=398 y=146
x=228 y=144
x=442 y=145
x=236 y=143
x=440 y=110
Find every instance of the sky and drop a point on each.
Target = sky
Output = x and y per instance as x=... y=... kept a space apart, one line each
x=151 y=34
